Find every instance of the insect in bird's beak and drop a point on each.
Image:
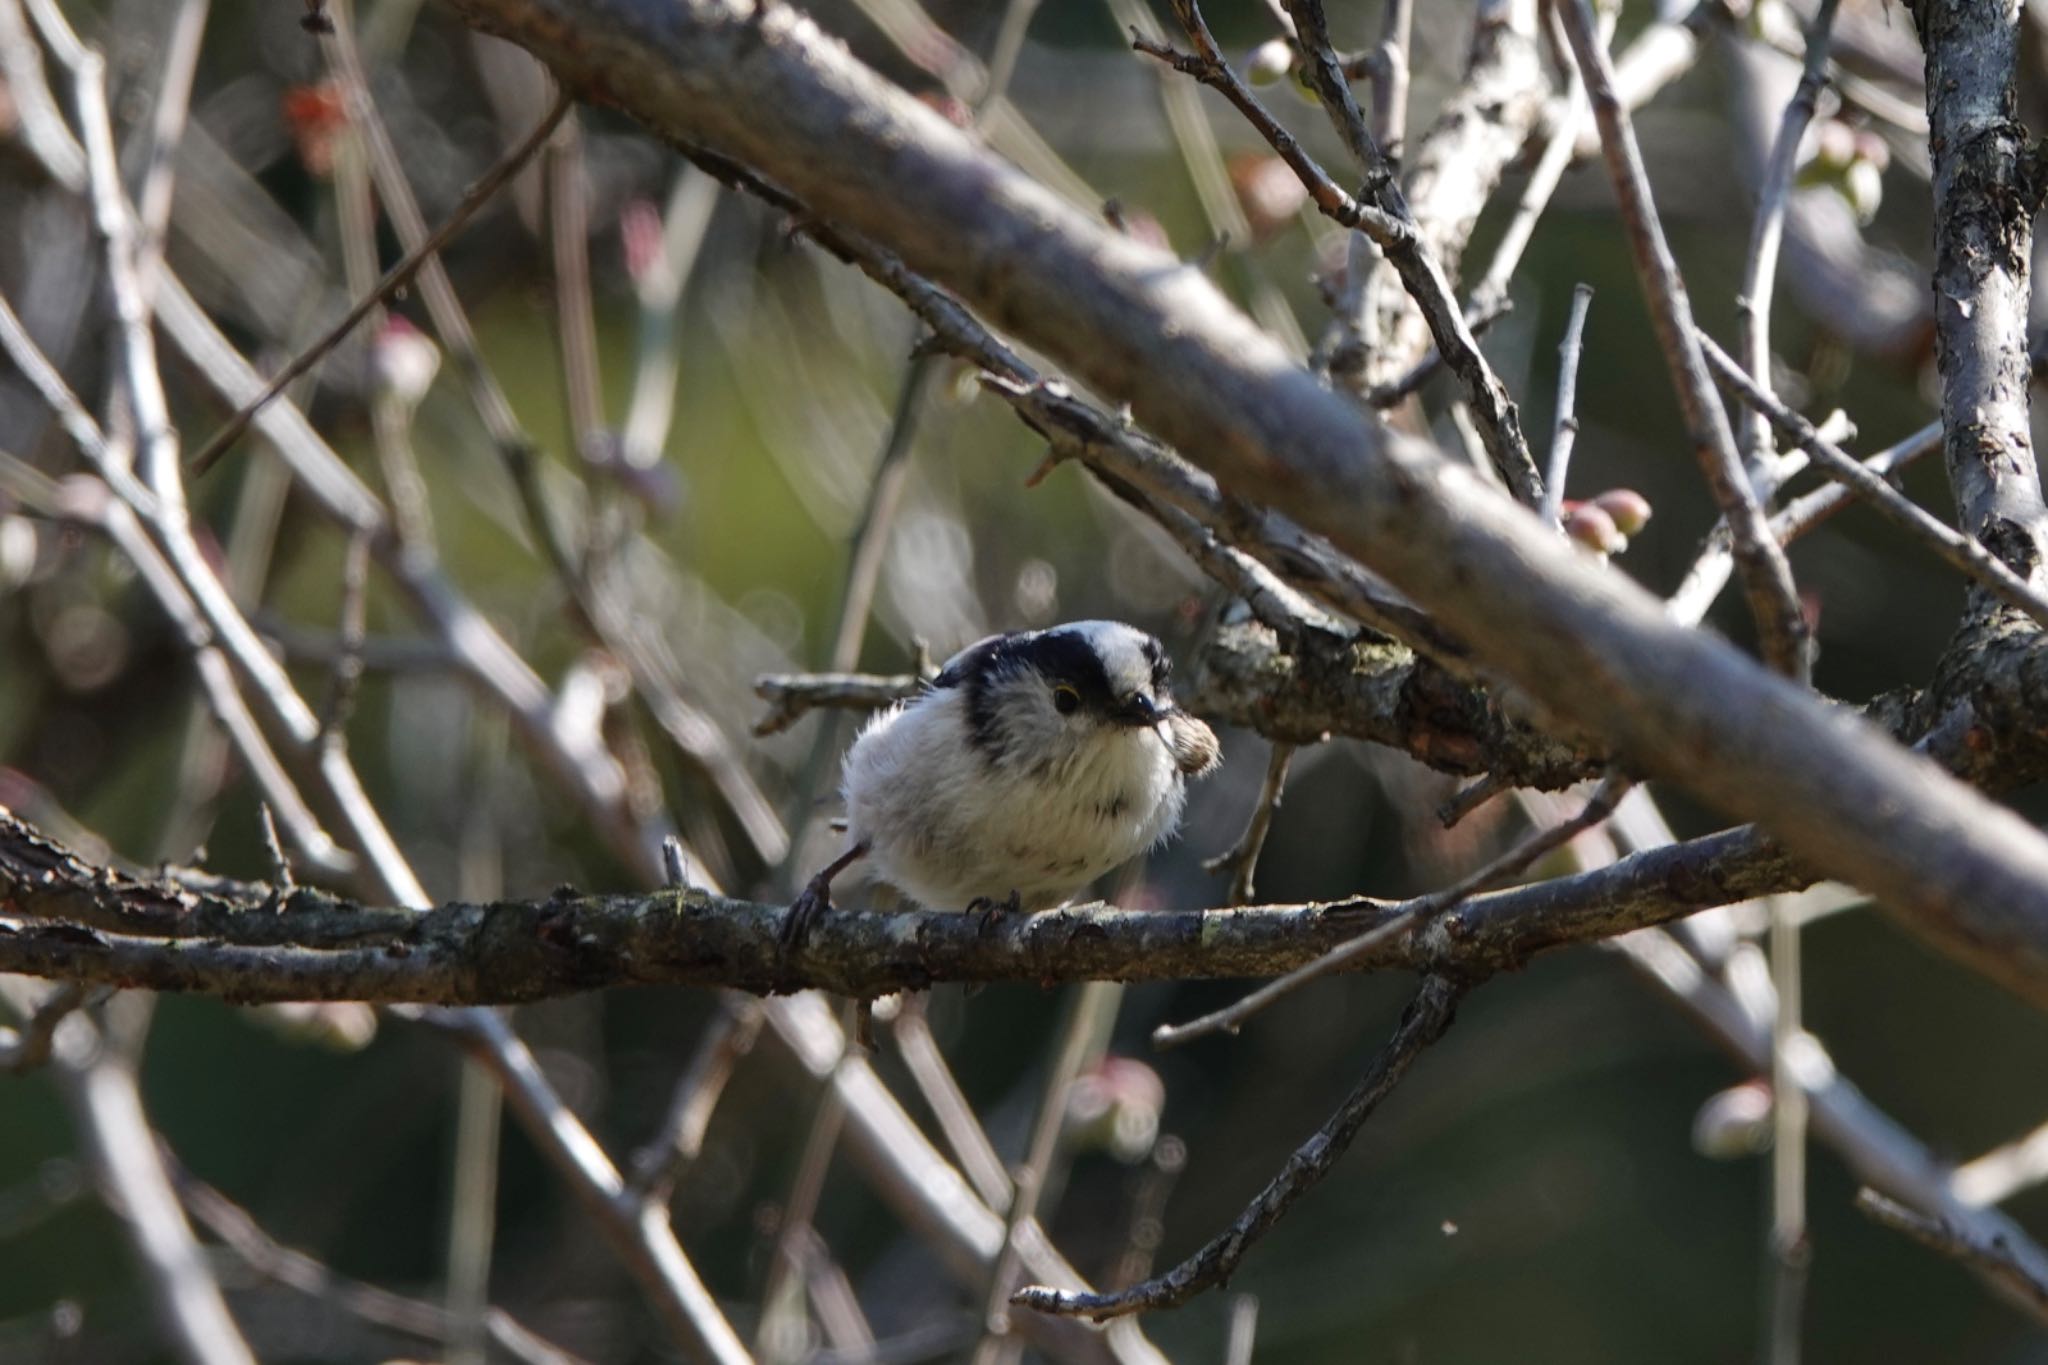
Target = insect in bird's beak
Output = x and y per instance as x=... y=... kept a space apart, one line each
x=1192 y=744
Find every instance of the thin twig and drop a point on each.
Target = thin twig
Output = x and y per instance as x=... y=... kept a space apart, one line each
x=23 y=1050
x=391 y=408
x=1760 y=269
x=394 y=279
x=1567 y=424
x=949 y=1104
x=1962 y=552
x=280 y=864
x=1549 y=172
x=1788 y=1247
x=241 y=1234
x=1471 y=797
x=1084 y=1033
x=1992 y=1259
x=473 y=1212
x=791 y=696
x=1480 y=317
x=1766 y=576
x=728 y=1037
x=1244 y=1329
x=781 y=1293
x=1424 y=1022
x=1413 y=919
x=1356 y=334
x=574 y=316
x=1241 y=859
x=346 y=672
x=166 y=131
x=1390 y=80
x=2003 y=1172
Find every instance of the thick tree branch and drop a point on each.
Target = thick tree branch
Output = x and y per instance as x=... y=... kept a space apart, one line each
x=1303 y=690
x=64 y=918
x=1987 y=188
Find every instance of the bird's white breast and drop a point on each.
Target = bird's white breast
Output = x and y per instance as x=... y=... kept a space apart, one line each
x=945 y=824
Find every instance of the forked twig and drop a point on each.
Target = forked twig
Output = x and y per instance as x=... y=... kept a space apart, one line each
x=1963 y=552
x=1241 y=859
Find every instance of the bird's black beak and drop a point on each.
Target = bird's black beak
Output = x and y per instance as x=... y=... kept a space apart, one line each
x=1139 y=710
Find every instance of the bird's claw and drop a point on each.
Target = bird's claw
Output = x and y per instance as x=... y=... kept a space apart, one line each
x=803 y=915
x=992 y=911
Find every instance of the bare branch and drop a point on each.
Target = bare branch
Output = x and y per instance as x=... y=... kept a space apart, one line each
x=1991 y=1259
x=1241 y=859
x=1760 y=269
x=1415 y=919
x=1424 y=1022
x=1567 y=422
x=70 y=919
x=1766 y=576
x=1954 y=548
x=1988 y=184
x=1138 y=326
x=479 y=194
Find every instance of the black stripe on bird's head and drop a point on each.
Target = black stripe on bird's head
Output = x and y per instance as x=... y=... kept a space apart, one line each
x=1104 y=671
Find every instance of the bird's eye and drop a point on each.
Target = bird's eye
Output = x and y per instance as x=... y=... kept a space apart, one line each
x=1065 y=699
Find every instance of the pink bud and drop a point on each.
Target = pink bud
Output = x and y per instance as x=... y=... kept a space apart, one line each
x=1734 y=1123
x=640 y=235
x=1593 y=528
x=1270 y=193
x=1629 y=509
x=403 y=360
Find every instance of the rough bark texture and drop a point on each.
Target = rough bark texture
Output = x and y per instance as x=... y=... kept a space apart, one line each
x=1988 y=183
x=64 y=917
x=1457 y=165
x=1372 y=689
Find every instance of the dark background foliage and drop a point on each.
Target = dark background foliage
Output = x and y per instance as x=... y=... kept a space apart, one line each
x=1531 y=1194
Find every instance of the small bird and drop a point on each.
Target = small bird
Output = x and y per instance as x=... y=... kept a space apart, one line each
x=1034 y=763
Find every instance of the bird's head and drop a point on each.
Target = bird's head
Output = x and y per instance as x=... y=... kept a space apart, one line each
x=1032 y=693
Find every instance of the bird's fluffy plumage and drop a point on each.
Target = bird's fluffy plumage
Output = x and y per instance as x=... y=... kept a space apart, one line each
x=1034 y=764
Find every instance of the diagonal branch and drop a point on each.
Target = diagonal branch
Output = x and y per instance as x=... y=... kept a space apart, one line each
x=1428 y=1016
x=1766 y=575
x=1991 y=1258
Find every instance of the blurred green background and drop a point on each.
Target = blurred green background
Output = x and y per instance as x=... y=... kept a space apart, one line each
x=1530 y=1194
